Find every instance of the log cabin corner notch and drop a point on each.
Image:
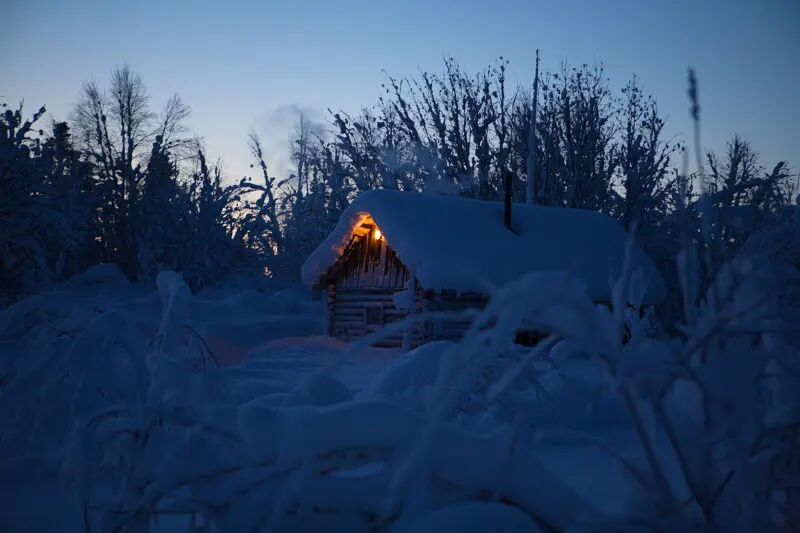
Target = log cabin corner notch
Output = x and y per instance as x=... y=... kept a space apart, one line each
x=455 y=248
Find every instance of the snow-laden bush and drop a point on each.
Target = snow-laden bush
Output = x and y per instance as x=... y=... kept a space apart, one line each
x=35 y=232
x=82 y=347
x=714 y=413
x=153 y=429
x=153 y=432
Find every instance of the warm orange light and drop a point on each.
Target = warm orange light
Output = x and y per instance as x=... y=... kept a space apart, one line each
x=377 y=234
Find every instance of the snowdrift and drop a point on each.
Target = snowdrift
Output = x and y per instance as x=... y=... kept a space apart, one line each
x=124 y=411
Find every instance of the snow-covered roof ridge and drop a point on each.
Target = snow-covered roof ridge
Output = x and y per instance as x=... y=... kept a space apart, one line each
x=462 y=244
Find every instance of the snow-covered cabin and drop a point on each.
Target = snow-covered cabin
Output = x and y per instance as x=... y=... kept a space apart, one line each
x=456 y=249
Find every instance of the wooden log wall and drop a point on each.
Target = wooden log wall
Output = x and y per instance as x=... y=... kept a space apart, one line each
x=371 y=273
x=451 y=329
x=371 y=264
x=330 y=292
x=347 y=311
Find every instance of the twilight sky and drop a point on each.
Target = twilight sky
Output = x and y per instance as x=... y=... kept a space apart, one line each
x=242 y=64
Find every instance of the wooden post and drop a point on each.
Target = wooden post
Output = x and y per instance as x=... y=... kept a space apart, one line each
x=328 y=296
x=507 y=212
x=408 y=330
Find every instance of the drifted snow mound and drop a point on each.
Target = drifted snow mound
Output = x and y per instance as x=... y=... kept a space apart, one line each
x=571 y=392
x=238 y=322
x=576 y=393
x=326 y=391
x=418 y=368
x=295 y=299
x=470 y=517
x=275 y=392
x=83 y=346
x=98 y=289
x=101 y=278
x=240 y=283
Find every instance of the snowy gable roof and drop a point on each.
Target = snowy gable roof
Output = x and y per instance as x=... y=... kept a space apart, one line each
x=461 y=244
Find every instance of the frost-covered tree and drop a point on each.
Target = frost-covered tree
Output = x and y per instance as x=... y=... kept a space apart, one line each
x=71 y=190
x=45 y=211
x=448 y=127
x=25 y=208
x=118 y=184
x=740 y=196
x=302 y=198
x=258 y=223
x=578 y=127
x=458 y=133
x=740 y=179
x=645 y=161
x=115 y=130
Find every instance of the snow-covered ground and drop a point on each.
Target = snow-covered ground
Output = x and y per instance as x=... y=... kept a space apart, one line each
x=130 y=410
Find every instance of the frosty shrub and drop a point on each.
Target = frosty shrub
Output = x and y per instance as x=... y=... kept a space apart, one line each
x=33 y=227
x=714 y=412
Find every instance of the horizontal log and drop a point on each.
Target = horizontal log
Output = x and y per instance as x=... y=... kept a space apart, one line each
x=389 y=341
x=342 y=323
x=345 y=293
x=396 y=341
x=352 y=308
x=370 y=290
x=355 y=305
x=385 y=298
x=352 y=313
x=342 y=317
x=370 y=287
x=364 y=298
x=358 y=322
x=368 y=281
x=361 y=328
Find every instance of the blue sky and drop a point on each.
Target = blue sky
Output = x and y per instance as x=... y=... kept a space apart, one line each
x=250 y=64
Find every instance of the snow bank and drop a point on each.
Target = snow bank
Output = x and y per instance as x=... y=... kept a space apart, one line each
x=470 y=517
x=285 y=441
x=82 y=346
x=460 y=244
x=416 y=369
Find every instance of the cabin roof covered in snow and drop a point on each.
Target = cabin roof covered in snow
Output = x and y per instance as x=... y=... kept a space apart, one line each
x=462 y=245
